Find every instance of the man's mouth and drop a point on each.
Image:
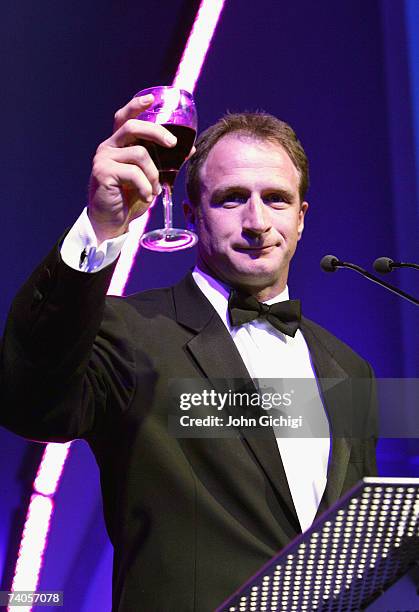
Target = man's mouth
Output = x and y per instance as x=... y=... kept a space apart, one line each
x=256 y=249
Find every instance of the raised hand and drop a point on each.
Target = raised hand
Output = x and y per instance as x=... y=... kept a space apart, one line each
x=124 y=179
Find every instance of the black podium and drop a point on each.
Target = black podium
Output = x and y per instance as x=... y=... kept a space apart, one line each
x=347 y=559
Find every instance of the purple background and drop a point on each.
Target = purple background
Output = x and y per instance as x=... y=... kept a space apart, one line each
x=344 y=74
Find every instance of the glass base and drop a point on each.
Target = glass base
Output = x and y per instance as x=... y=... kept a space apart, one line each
x=168 y=240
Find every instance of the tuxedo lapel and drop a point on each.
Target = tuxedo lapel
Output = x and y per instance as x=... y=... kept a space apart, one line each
x=336 y=395
x=214 y=351
x=211 y=346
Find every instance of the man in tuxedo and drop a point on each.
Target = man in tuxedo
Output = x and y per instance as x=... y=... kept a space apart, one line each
x=190 y=518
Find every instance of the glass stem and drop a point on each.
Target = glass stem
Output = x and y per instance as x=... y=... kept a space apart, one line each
x=168 y=206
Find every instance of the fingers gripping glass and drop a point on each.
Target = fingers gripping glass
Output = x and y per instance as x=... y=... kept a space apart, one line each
x=174 y=109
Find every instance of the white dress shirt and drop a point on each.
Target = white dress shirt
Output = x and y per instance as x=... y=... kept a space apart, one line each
x=266 y=353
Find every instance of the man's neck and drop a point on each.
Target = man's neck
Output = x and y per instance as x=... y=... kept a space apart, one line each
x=262 y=294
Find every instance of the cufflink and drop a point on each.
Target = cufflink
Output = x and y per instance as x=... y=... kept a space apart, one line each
x=82 y=259
x=90 y=259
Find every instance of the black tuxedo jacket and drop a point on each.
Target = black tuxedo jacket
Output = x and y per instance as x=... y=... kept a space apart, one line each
x=190 y=519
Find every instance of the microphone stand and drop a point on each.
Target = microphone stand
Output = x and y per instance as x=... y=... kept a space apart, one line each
x=330 y=263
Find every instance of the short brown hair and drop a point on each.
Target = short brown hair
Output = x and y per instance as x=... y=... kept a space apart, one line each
x=259 y=125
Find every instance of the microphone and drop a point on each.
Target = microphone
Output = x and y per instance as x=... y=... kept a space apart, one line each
x=330 y=263
x=384 y=265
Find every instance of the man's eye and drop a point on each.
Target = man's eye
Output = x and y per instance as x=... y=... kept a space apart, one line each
x=232 y=199
x=274 y=198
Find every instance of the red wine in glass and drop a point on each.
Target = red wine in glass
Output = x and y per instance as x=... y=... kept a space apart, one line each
x=169 y=161
x=173 y=108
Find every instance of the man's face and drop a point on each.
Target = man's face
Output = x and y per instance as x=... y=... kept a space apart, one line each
x=250 y=217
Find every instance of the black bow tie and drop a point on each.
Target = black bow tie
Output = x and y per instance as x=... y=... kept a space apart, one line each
x=285 y=316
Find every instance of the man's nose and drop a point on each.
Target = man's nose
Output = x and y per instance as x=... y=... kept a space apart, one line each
x=256 y=218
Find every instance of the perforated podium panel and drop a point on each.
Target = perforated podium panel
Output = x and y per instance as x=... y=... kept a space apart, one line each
x=347 y=558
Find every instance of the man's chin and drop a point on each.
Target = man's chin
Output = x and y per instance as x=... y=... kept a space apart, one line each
x=255 y=273
x=254 y=276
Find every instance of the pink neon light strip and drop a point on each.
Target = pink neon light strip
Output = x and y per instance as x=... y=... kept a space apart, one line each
x=38 y=518
x=126 y=259
x=32 y=546
x=50 y=468
x=199 y=41
x=40 y=511
x=186 y=77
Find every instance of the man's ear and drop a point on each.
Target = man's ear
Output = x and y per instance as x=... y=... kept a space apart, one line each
x=301 y=215
x=190 y=214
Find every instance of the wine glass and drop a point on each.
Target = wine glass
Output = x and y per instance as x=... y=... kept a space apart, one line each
x=173 y=108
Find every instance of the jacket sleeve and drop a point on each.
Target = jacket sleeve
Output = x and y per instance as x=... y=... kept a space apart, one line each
x=66 y=358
